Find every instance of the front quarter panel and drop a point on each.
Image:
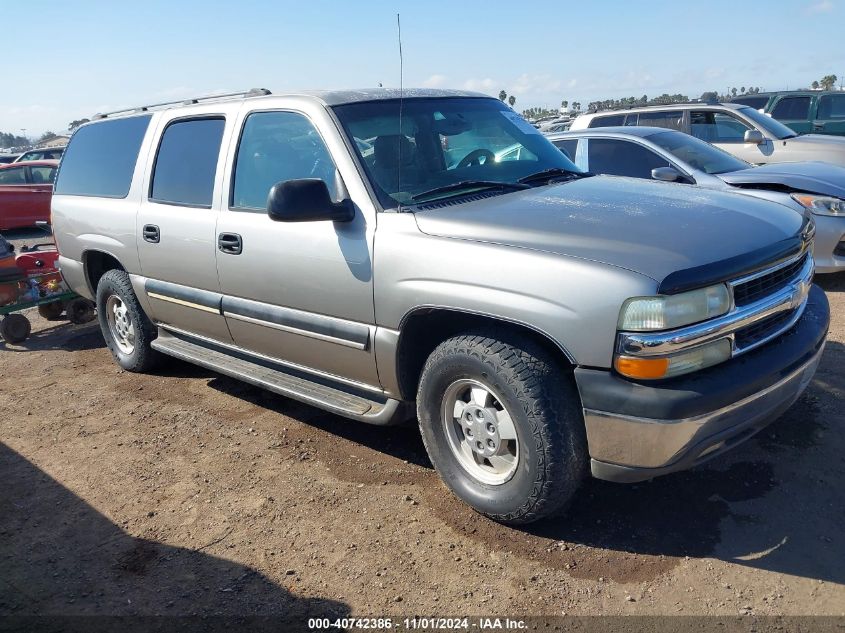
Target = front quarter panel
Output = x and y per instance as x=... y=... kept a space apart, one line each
x=575 y=302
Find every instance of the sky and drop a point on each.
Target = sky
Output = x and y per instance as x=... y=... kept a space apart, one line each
x=78 y=58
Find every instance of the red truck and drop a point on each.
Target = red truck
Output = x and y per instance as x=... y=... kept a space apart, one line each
x=25 y=191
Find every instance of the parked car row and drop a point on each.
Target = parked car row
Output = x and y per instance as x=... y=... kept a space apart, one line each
x=387 y=255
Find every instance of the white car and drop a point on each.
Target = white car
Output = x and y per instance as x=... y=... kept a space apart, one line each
x=739 y=129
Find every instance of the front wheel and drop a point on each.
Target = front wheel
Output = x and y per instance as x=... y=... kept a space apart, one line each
x=501 y=421
x=126 y=328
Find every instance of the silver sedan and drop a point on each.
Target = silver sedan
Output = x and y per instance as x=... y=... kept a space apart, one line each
x=672 y=156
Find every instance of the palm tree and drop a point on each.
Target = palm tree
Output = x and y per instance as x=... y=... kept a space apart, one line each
x=576 y=105
x=828 y=82
x=564 y=103
x=511 y=100
x=502 y=95
x=742 y=90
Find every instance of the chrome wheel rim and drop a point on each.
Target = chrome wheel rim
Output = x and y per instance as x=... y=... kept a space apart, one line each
x=121 y=328
x=480 y=431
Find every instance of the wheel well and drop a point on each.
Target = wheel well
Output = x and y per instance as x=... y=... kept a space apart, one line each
x=98 y=264
x=425 y=329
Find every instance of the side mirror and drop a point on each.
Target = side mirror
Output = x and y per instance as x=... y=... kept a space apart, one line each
x=755 y=137
x=306 y=200
x=666 y=174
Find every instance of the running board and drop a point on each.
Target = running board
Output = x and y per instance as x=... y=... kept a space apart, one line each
x=283 y=381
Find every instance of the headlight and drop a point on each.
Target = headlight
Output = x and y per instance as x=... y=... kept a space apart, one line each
x=693 y=359
x=643 y=314
x=820 y=205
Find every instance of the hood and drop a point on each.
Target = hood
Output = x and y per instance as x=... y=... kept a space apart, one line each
x=655 y=229
x=812 y=177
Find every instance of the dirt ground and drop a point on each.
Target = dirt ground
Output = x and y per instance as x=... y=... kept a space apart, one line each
x=185 y=492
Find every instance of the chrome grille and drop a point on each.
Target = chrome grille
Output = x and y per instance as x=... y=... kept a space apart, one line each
x=748 y=292
x=762 y=330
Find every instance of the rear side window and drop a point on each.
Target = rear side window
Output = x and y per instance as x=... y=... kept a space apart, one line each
x=608 y=121
x=792 y=108
x=101 y=157
x=622 y=158
x=672 y=120
x=186 y=162
x=568 y=147
x=12 y=176
x=832 y=107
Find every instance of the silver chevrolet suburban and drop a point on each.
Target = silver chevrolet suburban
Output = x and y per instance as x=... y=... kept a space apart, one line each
x=380 y=255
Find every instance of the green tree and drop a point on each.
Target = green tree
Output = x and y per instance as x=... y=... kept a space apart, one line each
x=46 y=137
x=828 y=82
x=511 y=100
x=502 y=95
x=815 y=85
x=76 y=123
x=710 y=95
x=564 y=103
x=576 y=105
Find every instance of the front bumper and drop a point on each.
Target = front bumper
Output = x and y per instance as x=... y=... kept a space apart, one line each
x=638 y=430
x=829 y=251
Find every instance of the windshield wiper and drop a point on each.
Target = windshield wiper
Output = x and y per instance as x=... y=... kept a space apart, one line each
x=471 y=185
x=560 y=173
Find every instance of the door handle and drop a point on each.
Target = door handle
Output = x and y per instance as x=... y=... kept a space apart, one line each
x=818 y=127
x=151 y=233
x=230 y=243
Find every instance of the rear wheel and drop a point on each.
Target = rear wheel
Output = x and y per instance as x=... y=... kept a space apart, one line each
x=51 y=311
x=501 y=421
x=127 y=330
x=80 y=310
x=15 y=328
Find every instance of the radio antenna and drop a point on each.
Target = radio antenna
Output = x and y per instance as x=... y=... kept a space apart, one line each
x=401 y=95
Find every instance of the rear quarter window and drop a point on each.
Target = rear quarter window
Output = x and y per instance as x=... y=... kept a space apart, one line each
x=100 y=159
x=611 y=120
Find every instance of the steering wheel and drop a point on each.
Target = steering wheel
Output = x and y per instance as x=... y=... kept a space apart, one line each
x=474 y=158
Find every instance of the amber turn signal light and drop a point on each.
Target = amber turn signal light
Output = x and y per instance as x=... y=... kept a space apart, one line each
x=646 y=368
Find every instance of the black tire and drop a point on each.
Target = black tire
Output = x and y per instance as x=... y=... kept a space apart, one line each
x=142 y=357
x=15 y=328
x=543 y=403
x=51 y=311
x=80 y=310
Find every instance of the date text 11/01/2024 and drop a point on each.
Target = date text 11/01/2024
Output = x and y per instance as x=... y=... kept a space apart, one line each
x=417 y=624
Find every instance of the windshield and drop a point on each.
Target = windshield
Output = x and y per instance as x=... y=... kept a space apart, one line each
x=772 y=126
x=446 y=147
x=698 y=154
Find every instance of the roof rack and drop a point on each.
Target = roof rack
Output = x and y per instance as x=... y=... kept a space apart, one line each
x=658 y=105
x=254 y=92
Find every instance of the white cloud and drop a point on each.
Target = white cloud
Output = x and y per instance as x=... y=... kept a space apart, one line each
x=435 y=81
x=825 y=6
x=527 y=84
x=482 y=85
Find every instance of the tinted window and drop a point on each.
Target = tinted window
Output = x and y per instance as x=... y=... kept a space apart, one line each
x=622 y=158
x=673 y=120
x=568 y=147
x=832 y=107
x=42 y=175
x=754 y=102
x=100 y=159
x=717 y=127
x=187 y=162
x=792 y=108
x=12 y=176
x=274 y=147
x=608 y=121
